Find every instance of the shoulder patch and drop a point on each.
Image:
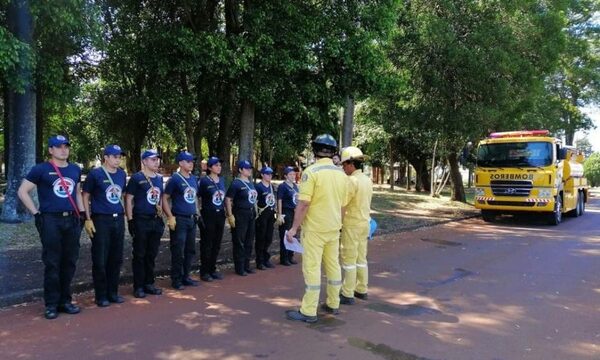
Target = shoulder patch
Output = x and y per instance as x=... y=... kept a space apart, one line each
x=304 y=176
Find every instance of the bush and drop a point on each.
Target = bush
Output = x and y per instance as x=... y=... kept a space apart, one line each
x=591 y=169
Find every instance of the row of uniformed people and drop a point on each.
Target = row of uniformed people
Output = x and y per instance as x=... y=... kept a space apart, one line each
x=62 y=214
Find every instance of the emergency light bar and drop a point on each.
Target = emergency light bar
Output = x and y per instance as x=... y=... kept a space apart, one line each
x=522 y=133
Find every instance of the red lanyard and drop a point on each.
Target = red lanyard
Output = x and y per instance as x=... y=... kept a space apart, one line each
x=66 y=186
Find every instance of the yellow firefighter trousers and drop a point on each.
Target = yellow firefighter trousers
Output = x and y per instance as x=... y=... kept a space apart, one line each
x=354 y=260
x=320 y=247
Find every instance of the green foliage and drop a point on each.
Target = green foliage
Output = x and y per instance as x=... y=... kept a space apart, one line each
x=575 y=83
x=168 y=73
x=584 y=145
x=591 y=169
x=12 y=53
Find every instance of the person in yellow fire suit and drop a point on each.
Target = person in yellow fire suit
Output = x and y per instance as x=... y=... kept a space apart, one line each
x=319 y=211
x=355 y=227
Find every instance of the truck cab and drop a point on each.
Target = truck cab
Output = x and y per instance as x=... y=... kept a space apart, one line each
x=529 y=172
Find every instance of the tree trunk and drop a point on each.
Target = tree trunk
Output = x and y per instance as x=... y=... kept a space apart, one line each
x=200 y=130
x=247 y=130
x=141 y=122
x=422 y=179
x=433 y=174
x=392 y=161
x=225 y=128
x=6 y=127
x=458 y=189
x=569 y=136
x=348 y=122
x=408 y=175
x=40 y=145
x=189 y=116
x=21 y=117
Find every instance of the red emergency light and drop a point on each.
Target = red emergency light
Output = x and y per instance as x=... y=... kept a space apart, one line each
x=522 y=133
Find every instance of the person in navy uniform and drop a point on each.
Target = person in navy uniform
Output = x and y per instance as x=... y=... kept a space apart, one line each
x=287 y=199
x=182 y=216
x=240 y=201
x=211 y=195
x=145 y=223
x=265 y=220
x=105 y=224
x=58 y=221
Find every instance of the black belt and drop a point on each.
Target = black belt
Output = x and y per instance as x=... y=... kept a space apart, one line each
x=191 y=216
x=145 y=216
x=107 y=215
x=243 y=209
x=60 y=214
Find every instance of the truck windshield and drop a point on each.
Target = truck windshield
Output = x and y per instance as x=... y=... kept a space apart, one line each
x=518 y=154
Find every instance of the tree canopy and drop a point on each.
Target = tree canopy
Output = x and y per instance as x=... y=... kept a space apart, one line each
x=257 y=79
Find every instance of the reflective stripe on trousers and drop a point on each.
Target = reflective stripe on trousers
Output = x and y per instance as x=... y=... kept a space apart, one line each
x=354 y=257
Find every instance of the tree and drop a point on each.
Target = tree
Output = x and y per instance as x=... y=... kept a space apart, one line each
x=584 y=145
x=21 y=110
x=471 y=65
x=576 y=83
x=591 y=169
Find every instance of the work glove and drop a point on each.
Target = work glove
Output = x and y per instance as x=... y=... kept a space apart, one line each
x=38 y=222
x=171 y=223
x=90 y=229
x=231 y=221
x=131 y=228
x=280 y=220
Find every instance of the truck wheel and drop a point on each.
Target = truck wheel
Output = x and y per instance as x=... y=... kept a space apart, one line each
x=488 y=215
x=582 y=199
x=577 y=211
x=555 y=216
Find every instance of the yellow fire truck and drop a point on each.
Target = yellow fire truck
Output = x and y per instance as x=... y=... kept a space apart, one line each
x=529 y=171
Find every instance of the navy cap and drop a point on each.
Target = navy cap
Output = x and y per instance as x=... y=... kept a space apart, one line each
x=185 y=155
x=266 y=170
x=288 y=169
x=244 y=164
x=113 y=150
x=58 y=140
x=213 y=160
x=150 y=153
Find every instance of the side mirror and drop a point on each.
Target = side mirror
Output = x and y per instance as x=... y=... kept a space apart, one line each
x=562 y=154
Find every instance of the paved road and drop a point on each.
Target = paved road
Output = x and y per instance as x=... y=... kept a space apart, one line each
x=463 y=290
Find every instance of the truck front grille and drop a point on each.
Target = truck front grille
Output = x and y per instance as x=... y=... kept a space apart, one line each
x=511 y=203
x=511 y=187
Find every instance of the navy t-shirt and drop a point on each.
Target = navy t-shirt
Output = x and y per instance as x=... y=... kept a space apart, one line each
x=212 y=193
x=51 y=192
x=288 y=195
x=266 y=196
x=183 y=194
x=243 y=194
x=145 y=196
x=105 y=197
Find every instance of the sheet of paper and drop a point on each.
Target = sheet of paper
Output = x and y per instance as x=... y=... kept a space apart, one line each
x=294 y=246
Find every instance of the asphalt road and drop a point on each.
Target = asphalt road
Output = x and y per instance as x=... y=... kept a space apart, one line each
x=515 y=289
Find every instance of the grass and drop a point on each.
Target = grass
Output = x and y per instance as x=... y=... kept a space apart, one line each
x=400 y=210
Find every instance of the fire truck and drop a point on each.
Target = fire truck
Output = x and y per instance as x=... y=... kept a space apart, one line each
x=529 y=172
